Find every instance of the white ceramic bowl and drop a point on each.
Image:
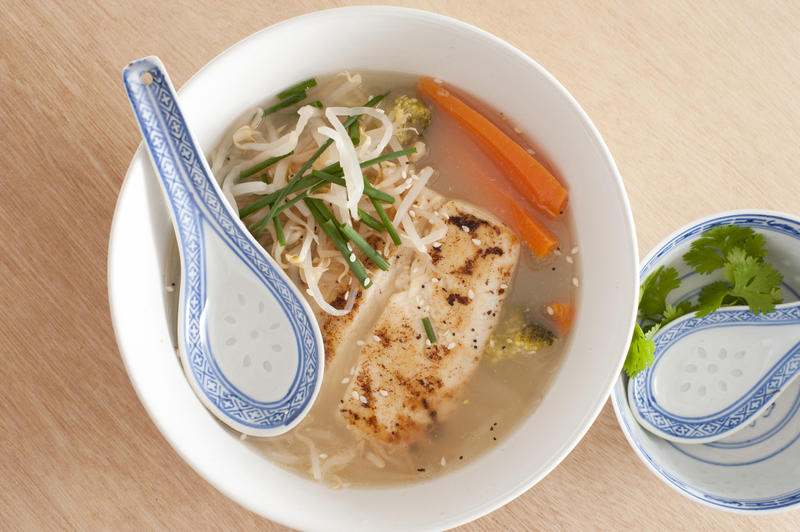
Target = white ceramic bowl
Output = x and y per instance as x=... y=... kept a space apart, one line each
x=383 y=38
x=758 y=468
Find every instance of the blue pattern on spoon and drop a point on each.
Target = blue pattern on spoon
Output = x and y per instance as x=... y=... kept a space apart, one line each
x=713 y=375
x=249 y=343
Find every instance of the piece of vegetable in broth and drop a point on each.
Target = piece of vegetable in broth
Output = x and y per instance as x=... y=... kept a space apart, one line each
x=517 y=336
x=410 y=117
x=536 y=184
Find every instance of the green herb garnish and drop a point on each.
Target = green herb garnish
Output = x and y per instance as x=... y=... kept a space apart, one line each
x=297 y=89
x=749 y=280
x=291 y=100
x=359 y=241
x=260 y=166
x=426 y=322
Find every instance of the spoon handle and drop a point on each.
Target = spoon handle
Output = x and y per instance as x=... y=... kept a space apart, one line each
x=250 y=346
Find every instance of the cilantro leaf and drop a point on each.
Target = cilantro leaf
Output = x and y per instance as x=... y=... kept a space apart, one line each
x=739 y=252
x=709 y=252
x=754 y=281
x=674 y=312
x=711 y=296
x=640 y=353
x=654 y=291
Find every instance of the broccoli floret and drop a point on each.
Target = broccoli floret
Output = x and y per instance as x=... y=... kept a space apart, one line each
x=518 y=337
x=411 y=117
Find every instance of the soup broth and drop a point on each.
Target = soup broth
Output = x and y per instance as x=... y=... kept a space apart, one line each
x=501 y=392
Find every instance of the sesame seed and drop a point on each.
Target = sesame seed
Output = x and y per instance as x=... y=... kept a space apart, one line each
x=575 y=250
x=443 y=461
x=550 y=310
x=476 y=241
x=363 y=399
x=575 y=281
x=503 y=286
x=569 y=259
x=465 y=228
x=451 y=345
x=530 y=151
x=360 y=342
x=345 y=380
x=434 y=280
x=446 y=216
x=350 y=246
x=384 y=393
x=557 y=252
x=367 y=281
x=437 y=244
x=427 y=342
x=323 y=455
x=375 y=337
x=352 y=257
x=355 y=394
x=471 y=294
x=517 y=130
x=347 y=295
x=353 y=370
x=491 y=342
x=170 y=288
x=411 y=213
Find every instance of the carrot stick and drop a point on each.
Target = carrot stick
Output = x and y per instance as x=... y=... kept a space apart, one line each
x=537 y=237
x=562 y=315
x=529 y=177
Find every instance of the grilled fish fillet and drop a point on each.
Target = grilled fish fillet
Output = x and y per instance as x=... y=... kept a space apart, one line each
x=403 y=383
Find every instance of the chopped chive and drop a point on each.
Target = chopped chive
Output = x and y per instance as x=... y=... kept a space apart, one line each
x=260 y=166
x=268 y=199
x=317 y=104
x=279 y=231
x=359 y=241
x=354 y=134
x=369 y=190
x=336 y=168
x=303 y=195
x=300 y=87
x=370 y=222
x=299 y=174
x=426 y=322
x=374 y=193
x=291 y=100
x=331 y=229
x=387 y=223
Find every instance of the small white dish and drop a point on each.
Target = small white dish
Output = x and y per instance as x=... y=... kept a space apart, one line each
x=757 y=469
x=416 y=42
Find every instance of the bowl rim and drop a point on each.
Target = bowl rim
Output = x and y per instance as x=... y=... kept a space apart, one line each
x=620 y=402
x=591 y=413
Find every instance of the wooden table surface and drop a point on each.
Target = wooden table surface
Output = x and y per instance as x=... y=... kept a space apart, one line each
x=698 y=101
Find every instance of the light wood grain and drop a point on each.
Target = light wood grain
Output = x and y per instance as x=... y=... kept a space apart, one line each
x=698 y=101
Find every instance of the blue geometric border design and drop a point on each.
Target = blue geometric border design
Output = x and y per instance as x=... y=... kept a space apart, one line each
x=195 y=200
x=753 y=401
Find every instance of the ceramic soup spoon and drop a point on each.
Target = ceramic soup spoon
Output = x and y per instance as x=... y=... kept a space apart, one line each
x=714 y=375
x=249 y=343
